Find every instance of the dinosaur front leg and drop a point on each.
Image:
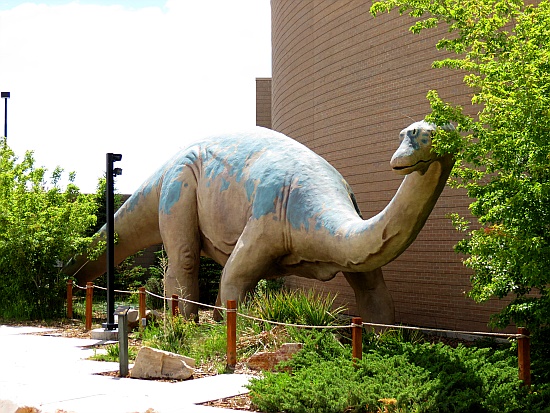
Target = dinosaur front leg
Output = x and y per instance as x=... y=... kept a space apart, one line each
x=250 y=261
x=374 y=301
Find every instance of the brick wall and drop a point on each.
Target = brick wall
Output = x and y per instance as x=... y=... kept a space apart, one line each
x=263 y=102
x=345 y=84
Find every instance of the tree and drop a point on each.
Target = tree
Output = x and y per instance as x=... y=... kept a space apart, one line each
x=503 y=153
x=41 y=225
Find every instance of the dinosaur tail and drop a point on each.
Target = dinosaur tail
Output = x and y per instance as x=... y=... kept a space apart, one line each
x=136 y=226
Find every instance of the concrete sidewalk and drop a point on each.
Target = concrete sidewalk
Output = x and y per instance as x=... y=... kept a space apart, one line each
x=52 y=373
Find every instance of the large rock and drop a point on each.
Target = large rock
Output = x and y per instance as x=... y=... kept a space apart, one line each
x=152 y=363
x=133 y=318
x=268 y=360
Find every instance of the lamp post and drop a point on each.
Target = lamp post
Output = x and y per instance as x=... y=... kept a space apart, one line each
x=111 y=173
x=5 y=96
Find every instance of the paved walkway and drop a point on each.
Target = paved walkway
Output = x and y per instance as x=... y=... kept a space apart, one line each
x=52 y=373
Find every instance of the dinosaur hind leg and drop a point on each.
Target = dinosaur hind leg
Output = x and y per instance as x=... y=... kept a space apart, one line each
x=374 y=301
x=182 y=277
x=180 y=235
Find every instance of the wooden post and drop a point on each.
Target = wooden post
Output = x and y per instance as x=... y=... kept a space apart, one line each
x=89 y=299
x=69 y=299
x=142 y=307
x=357 y=338
x=231 y=334
x=175 y=308
x=524 y=356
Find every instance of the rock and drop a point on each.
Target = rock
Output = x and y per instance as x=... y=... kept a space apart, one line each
x=132 y=316
x=152 y=363
x=268 y=360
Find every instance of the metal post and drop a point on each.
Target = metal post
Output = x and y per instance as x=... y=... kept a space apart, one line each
x=6 y=118
x=110 y=207
x=5 y=96
x=122 y=313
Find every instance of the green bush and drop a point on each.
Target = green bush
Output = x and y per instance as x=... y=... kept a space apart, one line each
x=209 y=280
x=41 y=225
x=397 y=376
x=174 y=334
x=295 y=307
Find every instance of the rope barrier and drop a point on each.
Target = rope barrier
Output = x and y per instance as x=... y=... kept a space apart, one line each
x=293 y=325
x=117 y=291
x=356 y=327
x=439 y=330
x=334 y=327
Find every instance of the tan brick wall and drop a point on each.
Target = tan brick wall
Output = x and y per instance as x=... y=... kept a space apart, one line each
x=345 y=84
x=263 y=102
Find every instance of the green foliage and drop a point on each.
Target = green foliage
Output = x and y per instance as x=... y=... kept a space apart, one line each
x=396 y=376
x=174 y=334
x=41 y=224
x=272 y=285
x=204 y=342
x=503 y=153
x=209 y=280
x=295 y=307
x=100 y=198
x=113 y=353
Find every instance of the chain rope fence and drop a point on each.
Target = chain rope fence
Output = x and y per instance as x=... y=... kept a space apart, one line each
x=356 y=325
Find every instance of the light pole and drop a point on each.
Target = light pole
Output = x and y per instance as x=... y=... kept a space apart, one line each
x=5 y=96
x=110 y=200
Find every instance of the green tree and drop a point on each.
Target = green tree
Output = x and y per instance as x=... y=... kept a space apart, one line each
x=503 y=152
x=41 y=225
x=100 y=198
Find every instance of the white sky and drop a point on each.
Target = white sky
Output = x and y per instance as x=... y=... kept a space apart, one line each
x=138 y=77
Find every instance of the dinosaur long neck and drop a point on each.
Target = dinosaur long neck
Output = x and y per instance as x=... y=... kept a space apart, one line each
x=382 y=238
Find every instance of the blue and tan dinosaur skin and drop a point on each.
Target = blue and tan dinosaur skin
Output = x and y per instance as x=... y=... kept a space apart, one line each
x=263 y=205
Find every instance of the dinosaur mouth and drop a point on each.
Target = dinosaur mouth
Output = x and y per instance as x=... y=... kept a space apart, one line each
x=400 y=168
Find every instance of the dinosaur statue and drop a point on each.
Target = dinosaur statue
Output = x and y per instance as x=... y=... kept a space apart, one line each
x=263 y=205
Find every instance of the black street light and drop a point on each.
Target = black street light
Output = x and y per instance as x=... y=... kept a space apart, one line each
x=5 y=96
x=110 y=199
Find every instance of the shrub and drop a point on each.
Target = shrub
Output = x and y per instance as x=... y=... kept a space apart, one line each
x=295 y=307
x=396 y=376
x=41 y=225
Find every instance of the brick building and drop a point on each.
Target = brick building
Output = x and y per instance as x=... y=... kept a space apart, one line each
x=344 y=84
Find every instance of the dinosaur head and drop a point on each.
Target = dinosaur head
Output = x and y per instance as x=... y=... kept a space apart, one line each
x=415 y=151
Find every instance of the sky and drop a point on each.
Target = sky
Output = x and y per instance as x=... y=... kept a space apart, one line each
x=143 y=78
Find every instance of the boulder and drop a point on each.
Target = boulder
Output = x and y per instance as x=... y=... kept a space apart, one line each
x=268 y=360
x=152 y=363
x=132 y=316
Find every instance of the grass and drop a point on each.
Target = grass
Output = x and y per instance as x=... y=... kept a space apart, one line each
x=113 y=353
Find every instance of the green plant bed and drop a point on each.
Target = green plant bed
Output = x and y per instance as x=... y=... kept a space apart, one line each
x=399 y=377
